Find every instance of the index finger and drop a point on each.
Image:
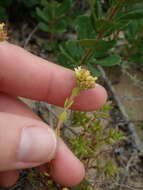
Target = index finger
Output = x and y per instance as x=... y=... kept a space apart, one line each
x=26 y=75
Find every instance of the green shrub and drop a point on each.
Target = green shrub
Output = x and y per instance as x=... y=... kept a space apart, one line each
x=97 y=29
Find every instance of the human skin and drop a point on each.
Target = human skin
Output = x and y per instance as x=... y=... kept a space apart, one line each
x=25 y=140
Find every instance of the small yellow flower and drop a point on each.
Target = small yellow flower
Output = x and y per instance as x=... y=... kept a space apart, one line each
x=84 y=79
x=46 y=174
x=50 y=182
x=2 y=26
x=3 y=33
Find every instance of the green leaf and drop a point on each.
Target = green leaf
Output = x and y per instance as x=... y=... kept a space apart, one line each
x=131 y=2
x=84 y=185
x=3 y=14
x=117 y=25
x=49 y=8
x=64 y=61
x=75 y=91
x=6 y=3
x=49 y=46
x=98 y=45
x=70 y=54
x=103 y=24
x=30 y=3
x=74 y=49
x=43 y=14
x=44 y=3
x=110 y=169
x=59 y=27
x=84 y=27
x=63 y=7
x=110 y=61
x=63 y=117
x=44 y=27
x=133 y=29
x=107 y=107
x=94 y=71
x=132 y=15
x=137 y=58
x=77 y=188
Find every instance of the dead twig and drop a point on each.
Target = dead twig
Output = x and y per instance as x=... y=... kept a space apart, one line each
x=132 y=187
x=30 y=36
x=136 y=140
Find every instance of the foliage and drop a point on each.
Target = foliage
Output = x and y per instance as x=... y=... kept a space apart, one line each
x=105 y=33
x=84 y=81
x=99 y=32
x=8 y=7
x=4 y=4
x=95 y=144
x=52 y=16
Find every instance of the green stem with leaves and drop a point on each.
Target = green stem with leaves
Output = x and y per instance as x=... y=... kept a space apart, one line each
x=89 y=52
x=68 y=103
x=84 y=81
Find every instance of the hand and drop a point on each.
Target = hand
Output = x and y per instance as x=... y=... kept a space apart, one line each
x=25 y=141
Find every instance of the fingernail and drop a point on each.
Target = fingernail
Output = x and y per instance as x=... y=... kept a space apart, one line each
x=38 y=144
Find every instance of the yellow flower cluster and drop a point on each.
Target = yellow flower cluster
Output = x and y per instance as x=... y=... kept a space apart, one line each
x=3 y=33
x=84 y=79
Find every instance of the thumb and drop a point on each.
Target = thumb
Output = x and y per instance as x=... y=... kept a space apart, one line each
x=24 y=142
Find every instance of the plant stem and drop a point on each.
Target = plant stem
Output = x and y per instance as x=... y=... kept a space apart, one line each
x=69 y=103
x=89 y=52
x=67 y=55
x=86 y=56
x=92 y=5
x=113 y=12
x=59 y=124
